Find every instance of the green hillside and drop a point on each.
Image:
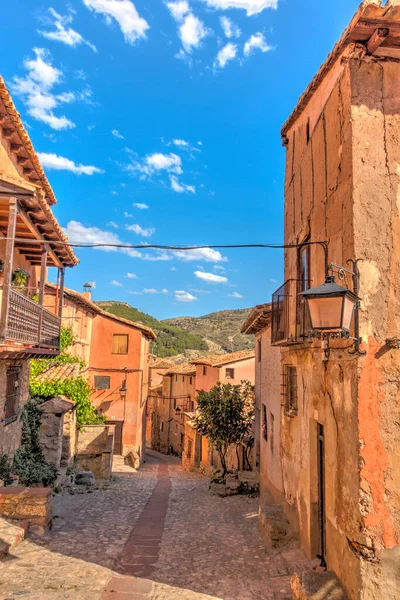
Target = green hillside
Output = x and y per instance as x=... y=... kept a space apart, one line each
x=170 y=339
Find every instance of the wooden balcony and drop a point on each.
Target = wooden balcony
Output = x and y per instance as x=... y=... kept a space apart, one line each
x=28 y=323
x=290 y=318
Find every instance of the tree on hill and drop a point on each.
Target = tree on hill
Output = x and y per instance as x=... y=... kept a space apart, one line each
x=225 y=415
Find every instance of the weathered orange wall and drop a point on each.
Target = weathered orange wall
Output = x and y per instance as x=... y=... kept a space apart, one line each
x=131 y=410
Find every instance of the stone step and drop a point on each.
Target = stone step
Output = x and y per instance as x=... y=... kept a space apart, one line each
x=311 y=585
x=11 y=535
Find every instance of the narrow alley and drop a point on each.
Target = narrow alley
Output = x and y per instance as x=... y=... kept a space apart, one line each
x=157 y=533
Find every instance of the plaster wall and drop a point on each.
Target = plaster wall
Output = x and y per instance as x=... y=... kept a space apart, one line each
x=103 y=362
x=178 y=390
x=268 y=394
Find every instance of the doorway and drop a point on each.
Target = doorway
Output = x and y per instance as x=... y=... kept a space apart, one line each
x=321 y=494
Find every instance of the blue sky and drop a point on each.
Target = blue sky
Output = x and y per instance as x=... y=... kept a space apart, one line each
x=159 y=122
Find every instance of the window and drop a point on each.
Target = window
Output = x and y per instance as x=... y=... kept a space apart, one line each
x=120 y=344
x=192 y=405
x=174 y=404
x=162 y=426
x=289 y=390
x=264 y=423
x=230 y=373
x=204 y=370
x=176 y=378
x=183 y=378
x=271 y=428
x=13 y=383
x=190 y=380
x=308 y=130
x=304 y=268
x=101 y=382
x=259 y=349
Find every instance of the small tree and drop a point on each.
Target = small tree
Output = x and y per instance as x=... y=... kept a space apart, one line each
x=225 y=415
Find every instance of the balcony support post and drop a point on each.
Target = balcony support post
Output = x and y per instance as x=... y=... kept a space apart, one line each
x=61 y=292
x=8 y=267
x=43 y=273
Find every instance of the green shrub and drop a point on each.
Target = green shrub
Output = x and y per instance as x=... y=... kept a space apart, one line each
x=5 y=469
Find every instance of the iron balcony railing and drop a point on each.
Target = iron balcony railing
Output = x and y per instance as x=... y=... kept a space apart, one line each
x=290 y=318
x=29 y=323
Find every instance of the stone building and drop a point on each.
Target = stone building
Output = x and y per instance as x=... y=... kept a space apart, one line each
x=341 y=411
x=268 y=406
x=232 y=368
x=27 y=329
x=168 y=406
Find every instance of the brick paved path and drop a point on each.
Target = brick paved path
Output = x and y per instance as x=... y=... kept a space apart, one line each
x=153 y=535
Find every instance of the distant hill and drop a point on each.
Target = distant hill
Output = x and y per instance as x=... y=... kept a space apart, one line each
x=170 y=339
x=221 y=328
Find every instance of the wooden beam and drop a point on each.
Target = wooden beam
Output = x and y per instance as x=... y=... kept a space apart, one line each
x=61 y=292
x=376 y=39
x=8 y=133
x=43 y=273
x=15 y=147
x=8 y=267
x=4 y=119
x=384 y=52
x=23 y=160
x=38 y=235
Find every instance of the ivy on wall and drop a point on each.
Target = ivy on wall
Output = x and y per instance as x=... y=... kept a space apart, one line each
x=76 y=389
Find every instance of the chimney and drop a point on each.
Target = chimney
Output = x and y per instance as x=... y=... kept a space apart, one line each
x=87 y=290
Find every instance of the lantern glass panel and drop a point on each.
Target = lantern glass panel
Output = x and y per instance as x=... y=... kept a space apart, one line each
x=348 y=310
x=326 y=313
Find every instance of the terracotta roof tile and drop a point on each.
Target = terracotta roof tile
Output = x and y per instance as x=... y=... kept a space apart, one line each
x=258 y=319
x=218 y=360
x=183 y=369
x=80 y=299
x=161 y=363
x=59 y=372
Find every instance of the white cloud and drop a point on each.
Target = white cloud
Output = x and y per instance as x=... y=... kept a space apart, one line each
x=256 y=42
x=141 y=206
x=178 y=9
x=140 y=230
x=131 y=276
x=210 y=277
x=180 y=143
x=235 y=295
x=127 y=215
x=117 y=134
x=124 y=12
x=112 y=224
x=36 y=90
x=153 y=163
x=206 y=254
x=231 y=30
x=183 y=296
x=252 y=7
x=79 y=234
x=134 y=293
x=181 y=188
x=59 y=163
x=219 y=268
x=173 y=268
x=191 y=30
x=62 y=32
x=226 y=54
x=154 y=291
x=116 y=283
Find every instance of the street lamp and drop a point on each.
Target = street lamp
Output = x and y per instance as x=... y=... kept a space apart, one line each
x=331 y=308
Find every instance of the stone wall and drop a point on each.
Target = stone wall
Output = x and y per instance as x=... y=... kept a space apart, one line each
x=33 y=505
x=10 y=434
x=95 y=450
x=52 y=437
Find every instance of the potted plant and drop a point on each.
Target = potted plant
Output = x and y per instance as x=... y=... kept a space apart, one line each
x=19 y=278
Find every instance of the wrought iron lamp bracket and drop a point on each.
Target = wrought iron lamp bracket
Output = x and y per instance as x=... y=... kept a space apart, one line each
x=356 y=288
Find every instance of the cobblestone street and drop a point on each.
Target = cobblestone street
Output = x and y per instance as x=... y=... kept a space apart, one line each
x=154 y=534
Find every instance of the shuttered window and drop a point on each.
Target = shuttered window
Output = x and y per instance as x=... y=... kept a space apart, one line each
x=13 y=383
x=289 y=390
x=120 y=344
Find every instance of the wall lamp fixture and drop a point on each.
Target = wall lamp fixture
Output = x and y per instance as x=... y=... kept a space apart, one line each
x=333 y=307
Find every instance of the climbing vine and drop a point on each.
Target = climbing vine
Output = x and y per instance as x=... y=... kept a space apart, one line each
x=76 y=389
x=29 y=462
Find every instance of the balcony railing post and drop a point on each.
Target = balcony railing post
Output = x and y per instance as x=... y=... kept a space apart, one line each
x=8 y=267
x=43 y=272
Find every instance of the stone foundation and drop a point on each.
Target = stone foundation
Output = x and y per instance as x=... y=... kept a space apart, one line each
x=273 y=525
x=311 y=585
x=34 y=505
x=95 y=450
